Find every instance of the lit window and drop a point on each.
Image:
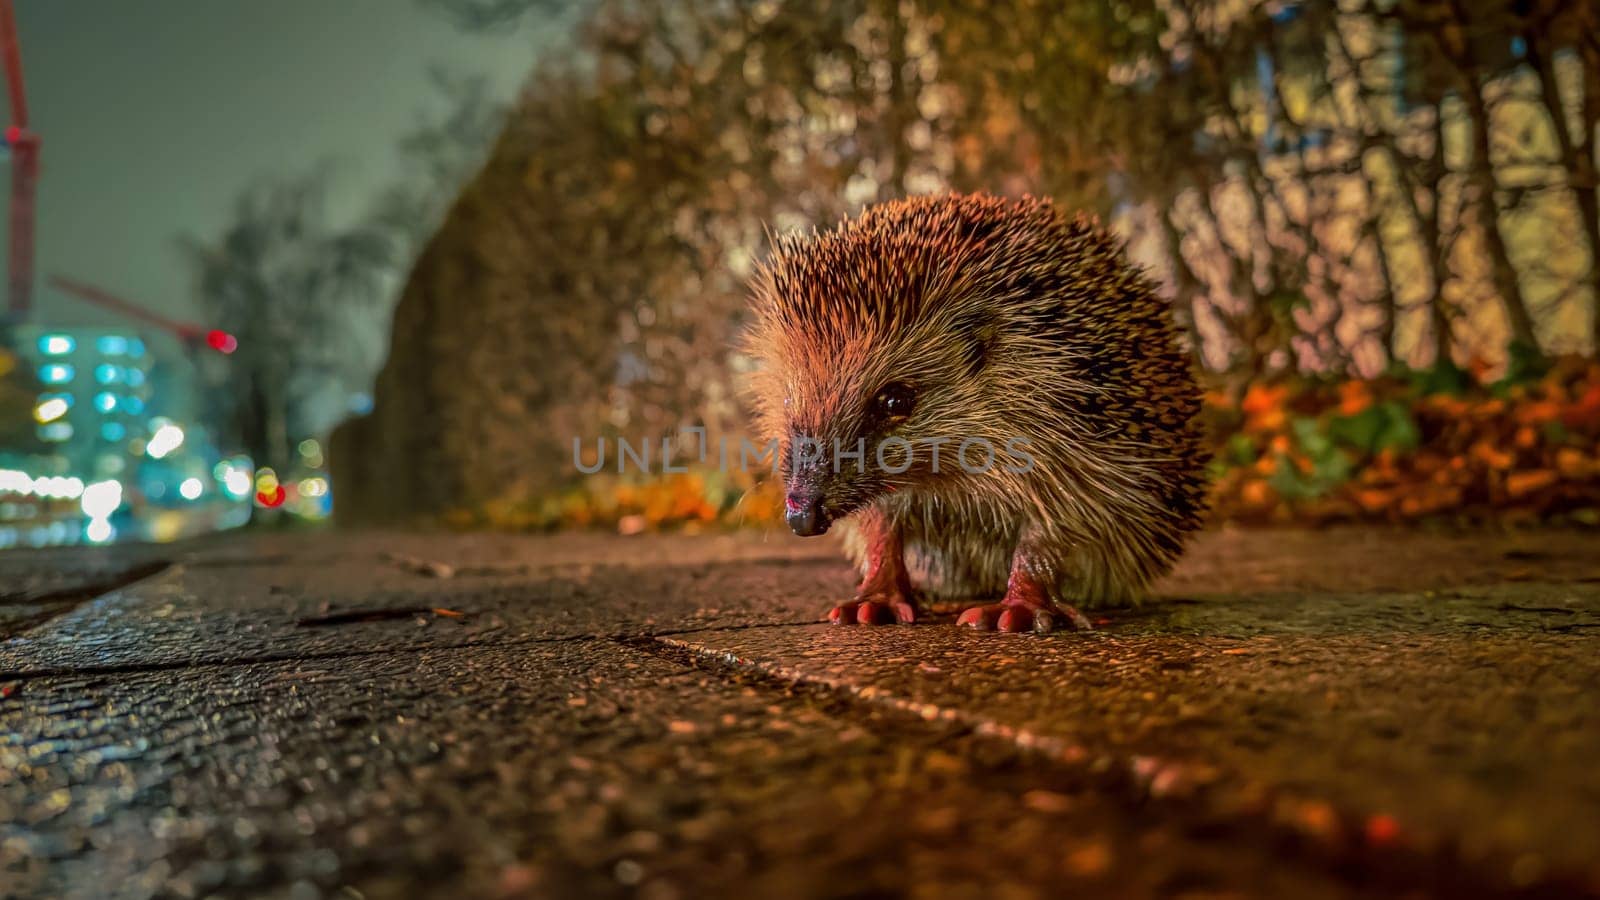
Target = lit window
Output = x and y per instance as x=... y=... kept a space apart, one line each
x=135 y=376
x=132 y=405
x=50 y=409
x=112 y=344
x=113 y=431
x=135 y=347
x=56 y=344
x=98 y=531
x=56 y=431
x=57 y=373
x=105 y=401
x=167 y=438
x=105 y=373
x=237 y=482
x=101 y=499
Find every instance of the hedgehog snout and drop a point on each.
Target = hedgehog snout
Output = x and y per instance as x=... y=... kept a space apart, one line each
x=806 y=483
x=804 y=512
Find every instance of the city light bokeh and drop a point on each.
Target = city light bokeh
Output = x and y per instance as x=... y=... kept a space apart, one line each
x=119 y=446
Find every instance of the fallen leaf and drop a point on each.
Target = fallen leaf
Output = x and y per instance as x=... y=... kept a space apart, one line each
x=1521 y=484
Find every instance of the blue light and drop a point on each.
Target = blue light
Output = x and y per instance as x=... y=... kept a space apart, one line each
x=105 y=373
x=112 y=344
x=105 y=401
x=132 y=405
x=113 y=431
x=56 y=431
x=135 y=347
x=135 y=376
x=56 y=344
x=57 y=373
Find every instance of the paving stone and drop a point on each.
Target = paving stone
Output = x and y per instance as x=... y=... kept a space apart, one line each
x=580 y=768
x=1340 y=713
x=1463 y=725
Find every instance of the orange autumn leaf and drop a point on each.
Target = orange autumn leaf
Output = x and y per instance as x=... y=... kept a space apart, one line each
x=1263 y=407
x=1584 y=413
x=1539 y=412
x=1256 y=493
x=1574 y=466
x=1491 y=456
x=1521 y=484
x=1373 y=499
x=1354 y=396
x=1429 y=501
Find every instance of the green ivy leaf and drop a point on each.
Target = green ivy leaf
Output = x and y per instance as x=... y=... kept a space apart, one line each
x=1361 y=430
x=1383 y=426
x=1444 y=378
x=1400 y=430
x=1240 y=450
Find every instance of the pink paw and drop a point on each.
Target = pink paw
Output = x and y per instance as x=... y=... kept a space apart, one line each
x=874 y=612
x=1014 y=618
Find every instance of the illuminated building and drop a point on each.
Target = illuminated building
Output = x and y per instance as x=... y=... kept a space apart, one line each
x=119 y=452
x=94 y=395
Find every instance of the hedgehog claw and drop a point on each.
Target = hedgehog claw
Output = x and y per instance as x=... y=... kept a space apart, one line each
x=1016 y=618
x=874 y=612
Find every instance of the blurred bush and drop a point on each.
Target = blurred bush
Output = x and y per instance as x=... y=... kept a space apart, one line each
x=1424 y=446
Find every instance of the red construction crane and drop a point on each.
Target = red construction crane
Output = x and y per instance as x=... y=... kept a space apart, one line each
x=189 y=334
x=24 y=145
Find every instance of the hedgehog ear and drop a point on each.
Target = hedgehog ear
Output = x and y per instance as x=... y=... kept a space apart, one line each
x=977 y=332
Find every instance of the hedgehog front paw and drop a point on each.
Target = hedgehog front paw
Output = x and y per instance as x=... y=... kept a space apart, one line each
x=876 y=609
x=1014 y=618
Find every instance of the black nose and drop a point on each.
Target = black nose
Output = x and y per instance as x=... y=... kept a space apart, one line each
x=805 y=514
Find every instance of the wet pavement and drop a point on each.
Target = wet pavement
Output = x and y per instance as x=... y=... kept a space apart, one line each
x=1344 y=713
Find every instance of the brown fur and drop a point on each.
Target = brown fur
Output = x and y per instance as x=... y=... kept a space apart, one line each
x=1011 y=321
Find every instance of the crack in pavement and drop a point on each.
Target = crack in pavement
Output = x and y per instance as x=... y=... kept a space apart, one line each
x=1285 y=821
x=25 y=675
x=60 y=602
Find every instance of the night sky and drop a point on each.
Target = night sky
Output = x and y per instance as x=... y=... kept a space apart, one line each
x=155 y=115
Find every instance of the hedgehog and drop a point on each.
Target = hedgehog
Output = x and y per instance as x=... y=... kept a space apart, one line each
x=988 y=401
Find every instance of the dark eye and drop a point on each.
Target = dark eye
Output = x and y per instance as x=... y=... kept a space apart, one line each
x=896 y=400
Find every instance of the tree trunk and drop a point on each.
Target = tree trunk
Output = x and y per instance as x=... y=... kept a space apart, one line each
x=1481 y=175
x=1186 y=286
x=1433 y=239
x=1578 y=160
x=1387 y=307
x=1406 y=187
x=1486 y=186
x=1587 y=186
